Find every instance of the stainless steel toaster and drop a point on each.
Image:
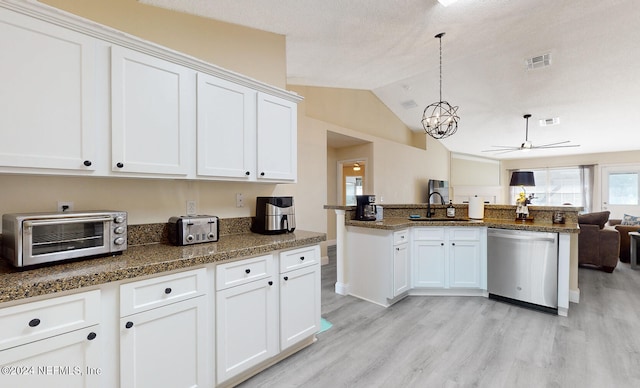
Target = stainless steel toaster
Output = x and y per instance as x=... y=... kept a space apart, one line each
x=187 y=230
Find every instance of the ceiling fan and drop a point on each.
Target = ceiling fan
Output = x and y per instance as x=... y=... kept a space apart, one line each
x=528 y=144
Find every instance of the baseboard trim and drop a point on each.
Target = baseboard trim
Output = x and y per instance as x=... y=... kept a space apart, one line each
x=574 y=296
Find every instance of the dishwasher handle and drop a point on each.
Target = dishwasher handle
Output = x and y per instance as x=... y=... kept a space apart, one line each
x=529 y=236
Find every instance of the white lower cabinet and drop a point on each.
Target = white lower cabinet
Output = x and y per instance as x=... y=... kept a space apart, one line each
x=378 y=272
x=246 y=315
x=299 y=295
x=449 y=257
x=53 y=343
x=163 y=345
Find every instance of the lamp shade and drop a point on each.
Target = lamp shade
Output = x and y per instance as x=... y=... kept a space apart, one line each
x=522 y=178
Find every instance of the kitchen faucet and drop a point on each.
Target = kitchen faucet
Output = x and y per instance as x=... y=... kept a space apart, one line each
x=429 y=214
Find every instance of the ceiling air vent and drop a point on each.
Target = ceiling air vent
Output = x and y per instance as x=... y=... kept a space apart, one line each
x=409 y=104
x=551 y=121
x=538 y=62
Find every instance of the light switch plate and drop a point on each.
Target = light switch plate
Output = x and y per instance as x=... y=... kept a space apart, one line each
x=191 y=208
x=239 y=200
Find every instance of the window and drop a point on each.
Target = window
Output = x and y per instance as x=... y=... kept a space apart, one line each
x=623 y=188
x=560 y=186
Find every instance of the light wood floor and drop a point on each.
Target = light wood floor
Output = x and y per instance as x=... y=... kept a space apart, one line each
x=472 y=341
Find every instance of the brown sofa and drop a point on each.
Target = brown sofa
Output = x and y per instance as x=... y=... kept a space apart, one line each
x=625 y=242
x=597 y=246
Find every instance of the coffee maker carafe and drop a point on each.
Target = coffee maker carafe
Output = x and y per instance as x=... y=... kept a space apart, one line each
x=365 y=208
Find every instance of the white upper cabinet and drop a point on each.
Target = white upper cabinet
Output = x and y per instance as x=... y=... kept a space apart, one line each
x=153 y=110
x=47 y=97
x=81 y=99
x=226 y=134
x=277 y=138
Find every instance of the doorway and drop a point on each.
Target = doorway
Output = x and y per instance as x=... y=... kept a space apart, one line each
x=621 y=190
x=352 y=180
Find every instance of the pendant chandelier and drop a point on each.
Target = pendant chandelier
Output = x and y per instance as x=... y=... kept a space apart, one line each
x=440 y=119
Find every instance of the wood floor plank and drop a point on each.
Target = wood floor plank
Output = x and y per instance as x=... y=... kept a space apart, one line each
x=472 y=341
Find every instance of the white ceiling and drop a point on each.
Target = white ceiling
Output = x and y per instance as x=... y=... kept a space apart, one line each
x=593 y=84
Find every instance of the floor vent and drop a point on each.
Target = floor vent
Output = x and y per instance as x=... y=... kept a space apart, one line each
x=551 y=121
x=538 y=62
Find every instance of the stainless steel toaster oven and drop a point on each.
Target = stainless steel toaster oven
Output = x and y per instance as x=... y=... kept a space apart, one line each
x=38 y=238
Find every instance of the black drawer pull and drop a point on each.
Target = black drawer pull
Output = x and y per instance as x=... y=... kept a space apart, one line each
x=247 y=270
x=128 y=325
x=286 y=278
x=92 y=336
x=87 y=163
x=167 y=290
x=302 y=258
x=119 y=164
x=247 y=173
x=34 y=322
x=270 y=283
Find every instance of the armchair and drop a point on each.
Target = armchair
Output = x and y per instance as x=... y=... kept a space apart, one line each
x=597 y=246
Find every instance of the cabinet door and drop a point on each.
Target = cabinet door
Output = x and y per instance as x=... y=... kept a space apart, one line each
x=429 y=269
x=464 y=264
x=247 y=326
x=226 y=129
x=47 y=98
x=67 y=360
x=299 y=305
x=153 y=113
x=401 y=269
x=277 y=138
x=165 y=347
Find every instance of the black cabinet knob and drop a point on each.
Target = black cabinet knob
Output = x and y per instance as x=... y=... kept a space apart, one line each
x=270 y=283
x=247 y=173
x=128 y=325
x=453 y=243
x=167 y=290
x=119 y=164
x=92 y=336
x=247 y=270
x=441 y=244
x=34 y=322
x=262 y=173
x=286 y=278
x=302 y=258
x=87 y=163
x=397 y=249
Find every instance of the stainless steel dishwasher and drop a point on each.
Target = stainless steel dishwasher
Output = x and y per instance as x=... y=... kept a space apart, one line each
x=522 y=267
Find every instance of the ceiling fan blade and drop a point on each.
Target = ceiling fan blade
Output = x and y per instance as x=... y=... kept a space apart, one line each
x=558 y=146
x=554 y=144
x=502 y=149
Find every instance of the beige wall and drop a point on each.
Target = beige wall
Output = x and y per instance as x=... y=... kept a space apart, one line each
x=467 y=170
x=258 y=54
x=360 y=110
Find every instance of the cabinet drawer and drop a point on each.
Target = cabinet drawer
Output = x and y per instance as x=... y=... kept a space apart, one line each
x=422 y=234
x=151 y=293
x=243 y=271
x=469 y=234
x=299 y=258
x=37 y=320
x=400 y=237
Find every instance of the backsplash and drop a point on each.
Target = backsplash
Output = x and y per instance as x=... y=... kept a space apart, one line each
x=159 y=233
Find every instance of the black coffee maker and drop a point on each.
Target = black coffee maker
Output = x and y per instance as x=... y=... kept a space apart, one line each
x=365 y=208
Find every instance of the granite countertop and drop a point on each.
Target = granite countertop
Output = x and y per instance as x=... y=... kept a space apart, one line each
x=142 y=260
x=393 y=223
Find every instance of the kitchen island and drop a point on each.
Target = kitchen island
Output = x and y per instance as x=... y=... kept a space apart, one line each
x=462 y=268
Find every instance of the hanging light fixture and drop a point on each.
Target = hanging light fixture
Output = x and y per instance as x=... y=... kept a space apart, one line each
x=356 y=167
x=440 y=119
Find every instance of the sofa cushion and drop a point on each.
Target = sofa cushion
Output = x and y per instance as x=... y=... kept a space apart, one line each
x=630 y=220
x=598 y=218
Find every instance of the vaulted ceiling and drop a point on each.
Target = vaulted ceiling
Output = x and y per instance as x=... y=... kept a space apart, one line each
x=592 y=84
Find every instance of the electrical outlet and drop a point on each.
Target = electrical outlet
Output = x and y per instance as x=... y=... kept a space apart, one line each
x=65 y=206
x=191 y=208
x=239 y=200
